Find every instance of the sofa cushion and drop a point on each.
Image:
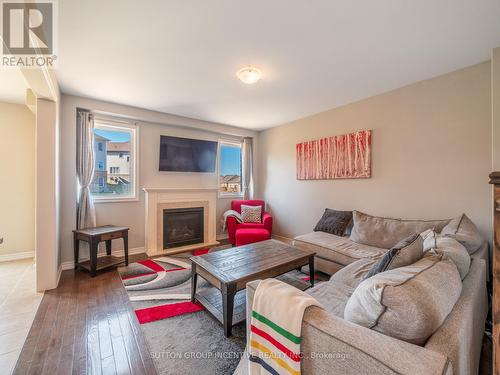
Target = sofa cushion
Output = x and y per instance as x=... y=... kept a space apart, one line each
x=384 y=232
x=448 y=248
x=337 y=249
x=251 y=214
x=464 y=231
x=409 y=303
x=405 y=252
x=352 y=274
x=332 y=295
x=334 y=222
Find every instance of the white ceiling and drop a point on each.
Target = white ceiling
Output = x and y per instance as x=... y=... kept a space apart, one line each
x=13 y=86
x=181 y=56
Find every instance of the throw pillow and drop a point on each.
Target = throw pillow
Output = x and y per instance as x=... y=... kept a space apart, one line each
x=409 y=303
x=449 y=248
x=334 y=222
x=464 y=231
x=251 y=214
x=384 y=232
x=406 y=252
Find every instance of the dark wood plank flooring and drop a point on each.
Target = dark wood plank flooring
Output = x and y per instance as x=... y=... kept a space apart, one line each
x=85 y=326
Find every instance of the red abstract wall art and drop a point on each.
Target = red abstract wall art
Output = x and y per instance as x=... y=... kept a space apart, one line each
x=340 y=156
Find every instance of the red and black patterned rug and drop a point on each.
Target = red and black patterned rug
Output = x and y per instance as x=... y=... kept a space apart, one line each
x=182 y=336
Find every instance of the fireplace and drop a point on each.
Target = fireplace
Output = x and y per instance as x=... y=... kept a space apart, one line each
x=183 y=226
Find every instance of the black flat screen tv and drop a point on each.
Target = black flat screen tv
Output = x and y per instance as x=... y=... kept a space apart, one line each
x=187 y=155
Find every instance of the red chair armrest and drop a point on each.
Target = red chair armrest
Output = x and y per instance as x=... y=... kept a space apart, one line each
x=267 y=220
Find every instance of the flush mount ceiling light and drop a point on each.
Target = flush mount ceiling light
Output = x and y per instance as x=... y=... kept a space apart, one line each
x=249 y=75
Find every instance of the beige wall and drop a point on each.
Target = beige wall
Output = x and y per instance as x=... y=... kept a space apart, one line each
x=47 y=194
x=17 y=179
x=44 y=99
x=431 y=155
x=132 y=214
x=495 y=103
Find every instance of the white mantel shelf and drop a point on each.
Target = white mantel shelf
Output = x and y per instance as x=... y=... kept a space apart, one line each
x=158 y=199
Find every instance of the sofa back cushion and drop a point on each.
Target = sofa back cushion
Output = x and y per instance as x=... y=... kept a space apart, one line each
x=236 y=204
x=334 y=222
x=464 y=231
x=450 y=248
x=353 y=274
x=405 y=252
x=409 y=303
x=385 y=232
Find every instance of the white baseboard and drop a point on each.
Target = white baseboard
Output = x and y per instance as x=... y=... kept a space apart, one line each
x=59 y=272
x=69 y=265
x=16 y=256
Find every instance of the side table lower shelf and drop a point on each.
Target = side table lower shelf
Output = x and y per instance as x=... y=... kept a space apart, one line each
x=103 y=262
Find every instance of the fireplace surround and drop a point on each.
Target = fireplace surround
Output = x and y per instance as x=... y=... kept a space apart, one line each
x=160 y=199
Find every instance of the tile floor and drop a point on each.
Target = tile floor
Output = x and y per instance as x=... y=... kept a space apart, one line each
x=19 y=302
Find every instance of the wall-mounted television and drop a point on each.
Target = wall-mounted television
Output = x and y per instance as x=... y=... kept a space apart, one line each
x=187 y=155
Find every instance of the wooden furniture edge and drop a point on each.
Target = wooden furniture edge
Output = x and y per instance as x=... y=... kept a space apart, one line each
x=495 y=181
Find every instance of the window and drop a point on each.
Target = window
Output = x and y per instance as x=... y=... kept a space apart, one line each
x=116 y=141
x=229 y=169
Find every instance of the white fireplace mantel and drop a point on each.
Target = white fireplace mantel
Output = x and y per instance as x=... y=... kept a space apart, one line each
x=158 y=199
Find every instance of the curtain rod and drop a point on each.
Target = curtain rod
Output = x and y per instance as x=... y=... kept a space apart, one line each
x=123 y=119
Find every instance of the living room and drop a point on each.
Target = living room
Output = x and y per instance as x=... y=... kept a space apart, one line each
x=275 y=187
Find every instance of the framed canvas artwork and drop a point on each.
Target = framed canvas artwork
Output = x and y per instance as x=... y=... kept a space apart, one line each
x=340 y=156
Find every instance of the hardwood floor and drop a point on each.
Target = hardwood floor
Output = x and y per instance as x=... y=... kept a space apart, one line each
x=85 y=326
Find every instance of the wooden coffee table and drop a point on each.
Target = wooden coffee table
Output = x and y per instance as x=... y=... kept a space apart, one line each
x=230 y=270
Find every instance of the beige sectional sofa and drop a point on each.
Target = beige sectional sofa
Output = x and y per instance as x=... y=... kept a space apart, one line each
x=333 y=345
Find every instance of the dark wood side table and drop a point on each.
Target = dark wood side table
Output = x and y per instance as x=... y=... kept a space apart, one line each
x=95 y=235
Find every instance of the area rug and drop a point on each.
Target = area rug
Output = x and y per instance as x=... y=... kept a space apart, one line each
x=183 y=337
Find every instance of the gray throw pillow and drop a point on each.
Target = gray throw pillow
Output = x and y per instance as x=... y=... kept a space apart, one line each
x=334 y=222
x=464 y=231
x=251 y=214
x=406 y=252
x=409 y=303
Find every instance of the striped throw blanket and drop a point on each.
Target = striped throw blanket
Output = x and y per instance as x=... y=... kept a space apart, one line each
x=275 y=328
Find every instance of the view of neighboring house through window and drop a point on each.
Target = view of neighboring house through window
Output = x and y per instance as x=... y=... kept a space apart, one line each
x=229 y=168
x=114 y=176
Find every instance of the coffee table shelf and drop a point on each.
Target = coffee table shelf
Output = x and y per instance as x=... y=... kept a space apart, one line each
x=211 y=299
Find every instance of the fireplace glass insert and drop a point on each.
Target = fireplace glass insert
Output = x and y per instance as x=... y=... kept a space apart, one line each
x=182 y=226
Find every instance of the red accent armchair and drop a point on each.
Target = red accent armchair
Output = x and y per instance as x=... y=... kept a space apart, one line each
x=233 y=225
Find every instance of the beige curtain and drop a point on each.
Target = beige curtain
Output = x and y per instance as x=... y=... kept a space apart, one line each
x=247 y=167
x=85 y=168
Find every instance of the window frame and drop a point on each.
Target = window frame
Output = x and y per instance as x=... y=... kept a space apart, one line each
x=232 y=143
x=134 y=165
